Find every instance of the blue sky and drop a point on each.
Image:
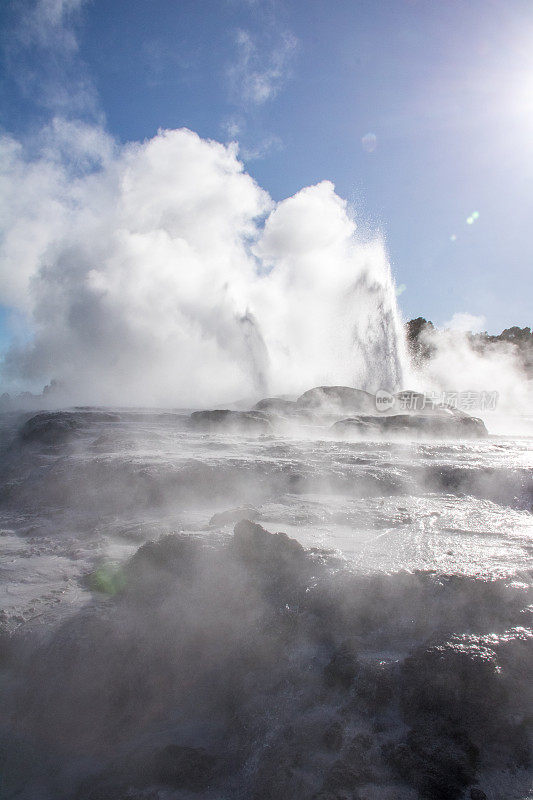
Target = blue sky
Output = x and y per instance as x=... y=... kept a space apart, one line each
x=421 y=113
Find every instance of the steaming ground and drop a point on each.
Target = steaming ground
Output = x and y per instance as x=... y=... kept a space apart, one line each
x=387 y=655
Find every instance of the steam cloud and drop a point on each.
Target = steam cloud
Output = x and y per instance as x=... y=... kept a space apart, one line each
x=457 y=364
x=161 y=273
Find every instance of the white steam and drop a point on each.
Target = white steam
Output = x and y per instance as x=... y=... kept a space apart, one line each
x=161 y=273
x=487 y=380
x=465 y=322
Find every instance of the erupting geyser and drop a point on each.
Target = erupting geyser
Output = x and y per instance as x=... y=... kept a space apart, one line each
x=164 y=275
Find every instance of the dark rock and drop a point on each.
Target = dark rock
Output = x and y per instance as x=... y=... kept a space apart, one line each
x=466 y=686
x=49 y=429
x=436 y=758
x=276 y=405
x=344 y=776
x=360 y=758
x=455 y=683
x=443 y=423
x=115 y=792
x=234 y=515
x=278 y=566
x=171 y=556
x=341 y=670
x=278 y=776
x=375 y=685
x=359 y=749
x=246 y=422
x=191 y=768
x=333 y=735
x=118 y=791
x=7 y=649
x=477 y=794
x=336 y=400
x=255 y=545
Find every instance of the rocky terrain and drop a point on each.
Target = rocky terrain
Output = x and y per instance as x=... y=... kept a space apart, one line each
x=248 y=666
x=345 y=412
x=193 y=607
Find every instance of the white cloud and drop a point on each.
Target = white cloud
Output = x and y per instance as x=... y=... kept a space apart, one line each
x=233 y=128
x=257 y=75
x=462 y=321
x=42 y=54
x=235 y=131
x=261 y=149
x=49 y=23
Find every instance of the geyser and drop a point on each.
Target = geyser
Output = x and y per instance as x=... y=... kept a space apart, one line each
x=161 y=273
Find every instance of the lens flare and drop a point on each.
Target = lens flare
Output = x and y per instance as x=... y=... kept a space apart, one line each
x=369 y=142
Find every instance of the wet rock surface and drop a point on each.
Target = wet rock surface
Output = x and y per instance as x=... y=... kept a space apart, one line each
x=246 y=422
x=437 y=758
x=251 y=667
x=438 y=424
x=50 y=429
x=276 y=405
x=336 y=400
x=191 y=768
x=268 y=552
x=349 y=412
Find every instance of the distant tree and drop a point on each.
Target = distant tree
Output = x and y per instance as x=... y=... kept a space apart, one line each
x=418 y=342
x=519 y=336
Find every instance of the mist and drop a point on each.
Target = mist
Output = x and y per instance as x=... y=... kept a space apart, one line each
x=488 y=379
